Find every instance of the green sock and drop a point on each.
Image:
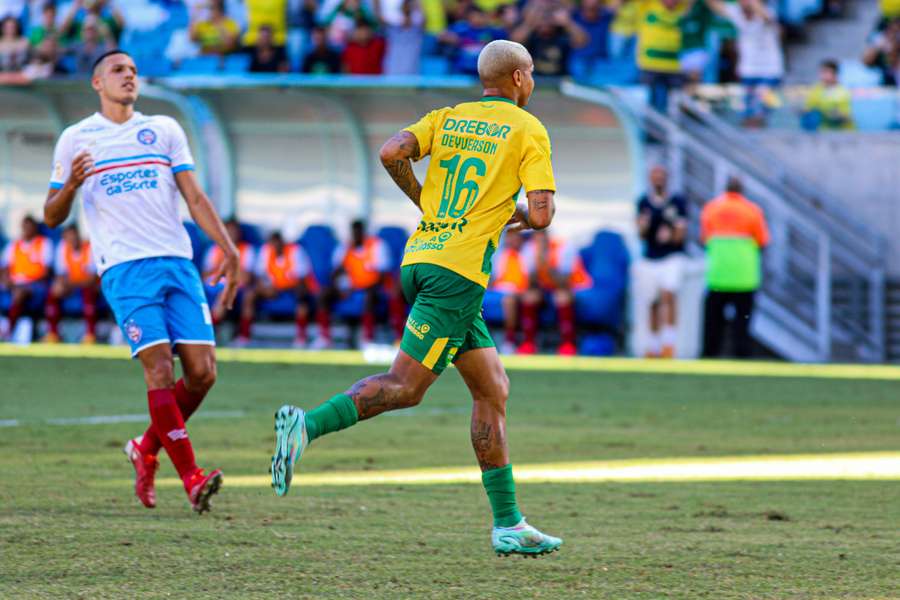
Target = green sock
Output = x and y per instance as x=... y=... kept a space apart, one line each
x=337 y=413
x=501 y=491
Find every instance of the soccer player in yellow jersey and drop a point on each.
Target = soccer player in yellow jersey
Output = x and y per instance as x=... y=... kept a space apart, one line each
x=482 y=154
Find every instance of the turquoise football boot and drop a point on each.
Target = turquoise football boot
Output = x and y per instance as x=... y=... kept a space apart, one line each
x=291 y=440
x=523 y=539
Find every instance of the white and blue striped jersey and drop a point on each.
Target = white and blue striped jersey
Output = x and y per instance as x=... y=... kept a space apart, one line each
x=131 y=201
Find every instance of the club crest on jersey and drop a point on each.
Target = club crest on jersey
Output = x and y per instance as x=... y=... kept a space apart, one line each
x=146 y=137
x=133 y=332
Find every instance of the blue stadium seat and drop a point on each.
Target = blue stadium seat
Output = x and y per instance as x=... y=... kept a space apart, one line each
x=199 y=243
x=395 y=238
x=200 y=65
x=236 y=63
x=877 y=113
x=251 y=233
x=606 y=259
x=282 y=306
x=853 y=73
x=54 y=233
x=319 y=242
x=434 y=66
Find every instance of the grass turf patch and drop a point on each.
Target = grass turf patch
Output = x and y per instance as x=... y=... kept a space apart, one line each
x=70 y=526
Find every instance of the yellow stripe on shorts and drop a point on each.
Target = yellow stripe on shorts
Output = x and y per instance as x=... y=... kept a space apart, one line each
x=435 y=353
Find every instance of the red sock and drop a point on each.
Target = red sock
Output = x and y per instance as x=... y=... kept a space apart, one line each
x=169 y=426
x=15 y=311
x=302 y=321
x=566 y=315
x=89 y=300
x=244 y=326
x=52 y=313
x=529 y=321
x=187 y=404
x=323 y=318
x=397 y=313
x=368 y=325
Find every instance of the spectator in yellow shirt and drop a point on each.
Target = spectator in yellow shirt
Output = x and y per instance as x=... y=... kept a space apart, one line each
x=216 y=34
x=266 y=12
x=828 y=104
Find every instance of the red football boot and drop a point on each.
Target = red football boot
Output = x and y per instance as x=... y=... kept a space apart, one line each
x=527 y=347
x=567 y=349
x=202 y=487
x=145 y=467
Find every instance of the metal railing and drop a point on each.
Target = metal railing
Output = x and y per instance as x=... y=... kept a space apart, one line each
x=822 y=297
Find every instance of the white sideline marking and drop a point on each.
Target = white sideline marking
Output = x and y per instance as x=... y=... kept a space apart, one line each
x=111 y=419
x=855 y=466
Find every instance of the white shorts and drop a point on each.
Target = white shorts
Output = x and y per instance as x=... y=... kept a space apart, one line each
x=663 y=274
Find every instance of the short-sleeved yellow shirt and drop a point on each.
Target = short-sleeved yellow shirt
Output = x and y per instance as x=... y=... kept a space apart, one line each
x=482 y=154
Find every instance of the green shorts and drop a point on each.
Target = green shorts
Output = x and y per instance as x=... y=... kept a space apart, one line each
x=445 y=320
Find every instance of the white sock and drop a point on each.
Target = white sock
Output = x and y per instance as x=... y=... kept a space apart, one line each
x=653 y=343
x=669 y=336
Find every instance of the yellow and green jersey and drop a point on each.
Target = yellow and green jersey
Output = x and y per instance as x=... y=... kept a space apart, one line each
x=659 y=36
x=482 y=154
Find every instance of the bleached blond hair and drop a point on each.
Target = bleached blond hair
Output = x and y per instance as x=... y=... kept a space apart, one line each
x=501 y=58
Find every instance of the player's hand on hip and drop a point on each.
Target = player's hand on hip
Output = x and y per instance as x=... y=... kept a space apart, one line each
x=230 y=269
x=519 y=220
x=82 y=168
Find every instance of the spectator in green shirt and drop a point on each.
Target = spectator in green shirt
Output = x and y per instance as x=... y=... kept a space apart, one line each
x=47 y=27
x=828 y=103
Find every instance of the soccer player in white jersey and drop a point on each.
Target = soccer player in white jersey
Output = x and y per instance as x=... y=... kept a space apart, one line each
x=130 y=168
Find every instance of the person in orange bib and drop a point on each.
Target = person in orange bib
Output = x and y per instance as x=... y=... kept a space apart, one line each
x=360 y=267
x=734 y=231
x=244 y=301
x=25 y=269
x=510 y=278
x=284 y=270
x=75 y=272
x=556 y=273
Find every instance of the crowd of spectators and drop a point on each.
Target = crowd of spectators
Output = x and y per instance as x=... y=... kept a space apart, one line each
x=37 y=40
x=666 y=44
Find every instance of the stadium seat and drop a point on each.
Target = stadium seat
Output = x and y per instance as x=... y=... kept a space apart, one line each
x=200 y=65
x=434 y=66
x=854 y=74
x=319 y=242
x=236 y=63
x=603 y=305
x=199 y=243
x=875 y=113
x=250 y=233
x=395 y=238
x=54 y=233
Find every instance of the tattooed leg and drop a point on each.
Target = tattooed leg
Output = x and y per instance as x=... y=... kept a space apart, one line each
x=402 y=387
x=487 y=381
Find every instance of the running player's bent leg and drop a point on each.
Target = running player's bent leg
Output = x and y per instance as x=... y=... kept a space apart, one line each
x=486 y=379
x=401 y=387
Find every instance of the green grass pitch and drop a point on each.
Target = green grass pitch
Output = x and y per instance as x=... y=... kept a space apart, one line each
x=71 y=528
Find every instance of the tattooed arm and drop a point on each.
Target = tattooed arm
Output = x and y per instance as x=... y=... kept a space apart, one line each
x=395 y=156
x=537 y=215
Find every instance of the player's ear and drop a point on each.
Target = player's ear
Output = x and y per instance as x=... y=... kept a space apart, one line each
x=518 y=77
x=95 y=80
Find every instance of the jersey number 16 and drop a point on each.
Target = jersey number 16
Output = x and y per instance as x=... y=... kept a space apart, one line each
x=455 y=184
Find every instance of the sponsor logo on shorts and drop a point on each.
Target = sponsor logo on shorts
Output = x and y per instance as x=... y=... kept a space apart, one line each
x=146 y=137
x=133 y=332
x=207 y=317
x=418 y=330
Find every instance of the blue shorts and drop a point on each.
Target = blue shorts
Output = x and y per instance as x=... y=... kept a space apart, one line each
x=159 y=301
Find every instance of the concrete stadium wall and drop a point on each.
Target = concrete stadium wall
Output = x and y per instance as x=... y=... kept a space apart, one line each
x=862 y=170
